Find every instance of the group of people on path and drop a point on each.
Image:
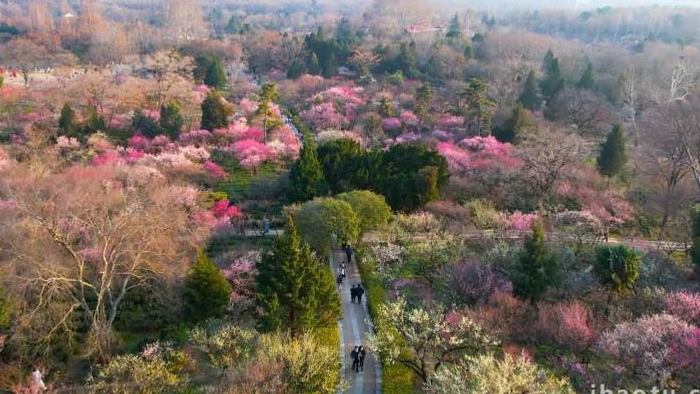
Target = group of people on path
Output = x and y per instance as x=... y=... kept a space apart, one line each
x=356 y=293
x=358 y=358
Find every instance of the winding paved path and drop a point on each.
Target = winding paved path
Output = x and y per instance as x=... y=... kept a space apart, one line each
x=354 y=327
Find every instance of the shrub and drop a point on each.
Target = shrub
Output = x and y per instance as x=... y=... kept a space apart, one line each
x=223 y=344
x=305 y=365
x=567 y=324
x=643 y=346
x=474 y=282
x=487 y=374
x=505 y=314
x=684 y=305
x=684 y=356
x=617 y=267
x=483 y=214
x=158 y=369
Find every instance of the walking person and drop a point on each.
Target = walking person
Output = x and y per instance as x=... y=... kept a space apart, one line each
x=355 y=356
x=339 y=280
x=353 y=294
x=38 y=380
x=361 y=353
x=348 y=253
x=360 y=291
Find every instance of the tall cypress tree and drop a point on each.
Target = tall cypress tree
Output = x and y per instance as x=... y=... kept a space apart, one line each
x=424 y=97
x=536 y=269
x=294 y=289
x=695 y=250
x=67 y=124
x=454 y=31
x=206 y=291
x=613 y=156
x=547 y=60
x=268 y=95
x=215 y=112
x=306 y=176
x=587 y=81
x=170 y=119
x=480 y=106
x=553 y=83
x=215 y=76
x=529 y=98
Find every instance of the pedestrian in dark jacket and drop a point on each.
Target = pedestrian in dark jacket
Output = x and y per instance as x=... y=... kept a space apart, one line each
x=348 y=253
x=353 y=294
x=360 y=291
x=361 y=353
x=355 y=356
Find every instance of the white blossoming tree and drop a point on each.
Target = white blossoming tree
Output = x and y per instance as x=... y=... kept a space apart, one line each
x=486 y=374
x=423 y=340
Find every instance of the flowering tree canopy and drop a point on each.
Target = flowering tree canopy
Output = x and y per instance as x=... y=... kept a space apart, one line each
x=422 y=340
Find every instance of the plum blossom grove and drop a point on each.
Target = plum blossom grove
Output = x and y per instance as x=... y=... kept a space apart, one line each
x=196 y=198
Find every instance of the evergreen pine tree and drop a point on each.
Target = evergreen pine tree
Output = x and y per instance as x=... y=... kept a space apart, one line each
x=547 y=61
x=215 y=77
x=170 y=119
x=144 y=124
x=479 y=105
x=294 y=289
x=202 y=64
x=406 y=60
x=330 y=66
x=587 y=81
x=536 y=269
x=695 y=249
x=553 y=82
x=268 y=95
x=454 y=31
x=613 y=156
x=313 y=66
x=424 y=96
x=67 y=124
x=529 y=98
x=306 y=176
x=5 y=312
x=215 y=112
x=206 y=290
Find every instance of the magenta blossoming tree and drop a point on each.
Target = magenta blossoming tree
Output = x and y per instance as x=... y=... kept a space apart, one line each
x=214 y=170
x=252 y=153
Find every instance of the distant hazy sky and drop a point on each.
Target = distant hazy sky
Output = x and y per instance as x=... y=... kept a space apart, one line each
x=572 y=3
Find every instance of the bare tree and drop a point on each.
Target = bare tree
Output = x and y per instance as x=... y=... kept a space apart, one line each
x=682 y=80
x=184 y=19
x=680 y=121
x=547 y=156
x=83 y=239
x=663 y=165
x=167 y=69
